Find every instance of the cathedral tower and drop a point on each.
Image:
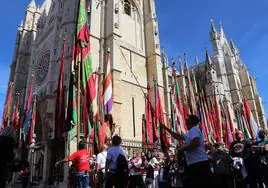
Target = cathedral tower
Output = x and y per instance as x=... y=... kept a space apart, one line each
x=219 y=45
x=22 y=54
x=131 y=33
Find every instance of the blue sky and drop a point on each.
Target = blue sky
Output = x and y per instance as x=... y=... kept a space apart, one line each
x=184 y=27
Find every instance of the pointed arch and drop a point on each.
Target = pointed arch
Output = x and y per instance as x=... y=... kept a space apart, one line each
x=127 y=7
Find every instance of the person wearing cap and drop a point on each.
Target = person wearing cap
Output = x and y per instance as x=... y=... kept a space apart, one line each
x=198 y=170
x=81 y=159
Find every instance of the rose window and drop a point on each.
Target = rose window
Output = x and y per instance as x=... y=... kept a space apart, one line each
x=42 y=66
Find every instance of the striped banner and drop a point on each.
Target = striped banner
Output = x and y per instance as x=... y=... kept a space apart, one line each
x=108 y=88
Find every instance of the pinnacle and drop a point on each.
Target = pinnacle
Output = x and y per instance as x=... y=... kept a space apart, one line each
x=213 y=29
x=233 y=47
x=232 y=44
x=221 y=28
x=208 y=59
x=163 y=51
x=38 y=9
x=173 y=63
x=181 y=66
x=32 y=4
x=196 y=60
x=185 y=62
x=21 y=24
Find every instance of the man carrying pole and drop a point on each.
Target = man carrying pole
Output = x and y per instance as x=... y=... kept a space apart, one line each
x=81 y=159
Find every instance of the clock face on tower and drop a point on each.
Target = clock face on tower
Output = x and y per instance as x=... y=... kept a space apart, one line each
x=42 y=66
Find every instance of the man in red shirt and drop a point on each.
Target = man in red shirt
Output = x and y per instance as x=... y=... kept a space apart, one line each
x=81 y=159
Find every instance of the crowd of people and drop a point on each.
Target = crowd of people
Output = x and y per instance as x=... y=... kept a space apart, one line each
x=193 y=164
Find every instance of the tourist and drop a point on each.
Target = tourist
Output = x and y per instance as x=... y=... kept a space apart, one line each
x=239 y=151
x=221 y=162
x=176 y=180
x=198 y=170
x=116 y=163
x=151 y=157
x=143 y=164
x=263 y=156
x=24 y=174
x=164 y=176
x=81 y=159
x=100 y=167
x=149 y=177
x=92 y=168
x=135 y=173
x=7 y=145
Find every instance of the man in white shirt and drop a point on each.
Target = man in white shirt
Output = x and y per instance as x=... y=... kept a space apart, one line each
x=198 y=171
x=101 y=161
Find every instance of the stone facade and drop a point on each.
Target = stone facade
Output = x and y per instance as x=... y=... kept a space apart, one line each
x=130 y=31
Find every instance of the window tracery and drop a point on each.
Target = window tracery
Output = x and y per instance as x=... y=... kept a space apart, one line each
x=42 y=66
x=127 y=7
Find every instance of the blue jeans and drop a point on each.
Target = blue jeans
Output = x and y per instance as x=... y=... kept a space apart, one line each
x=82 y=180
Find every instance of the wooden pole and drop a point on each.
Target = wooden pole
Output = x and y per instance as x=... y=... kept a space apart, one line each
x=100 y=73
x=78 y=72
x=101 y=53
x=78 y=99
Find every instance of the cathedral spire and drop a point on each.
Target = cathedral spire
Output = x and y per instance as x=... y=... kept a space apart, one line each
x=38 y=9
x=173 y=64
x=196 y=61
x=208 y=58
x=181 y=66
x=232 y=43
x=185 y=63
x=221 y=29
x=32 y=4
x=213 y=29
x=234 y=48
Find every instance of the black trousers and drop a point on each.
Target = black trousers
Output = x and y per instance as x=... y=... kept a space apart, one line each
x=135 y=181
x=199 y=175
x=3 y=175
x=101 y=179
x=24 y=182
x=113 y=181
x=224 y=181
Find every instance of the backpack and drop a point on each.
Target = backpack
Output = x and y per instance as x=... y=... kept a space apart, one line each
x=121 y=170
